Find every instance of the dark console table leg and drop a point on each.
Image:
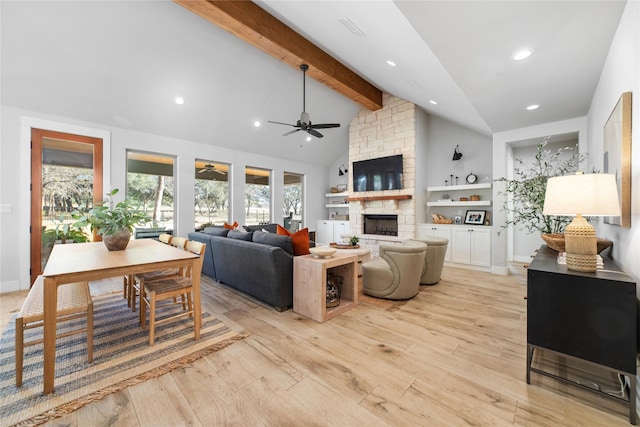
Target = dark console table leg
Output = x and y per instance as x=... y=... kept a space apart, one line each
x=632 y=399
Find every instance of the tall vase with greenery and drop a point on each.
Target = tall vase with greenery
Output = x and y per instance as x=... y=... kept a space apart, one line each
x=114 y=222
x=525 y=192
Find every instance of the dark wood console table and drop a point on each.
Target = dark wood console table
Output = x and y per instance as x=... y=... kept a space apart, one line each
x=586 y=316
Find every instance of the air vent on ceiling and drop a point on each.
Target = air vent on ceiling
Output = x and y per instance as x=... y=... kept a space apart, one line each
x=352 y=27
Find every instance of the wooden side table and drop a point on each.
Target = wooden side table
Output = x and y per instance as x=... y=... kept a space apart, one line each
x=364 y=255
x=310 y=285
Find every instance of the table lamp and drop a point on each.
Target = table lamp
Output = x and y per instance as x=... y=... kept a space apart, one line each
x=592 y=194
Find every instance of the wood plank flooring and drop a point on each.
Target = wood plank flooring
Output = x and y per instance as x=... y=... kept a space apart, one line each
x=454 y=355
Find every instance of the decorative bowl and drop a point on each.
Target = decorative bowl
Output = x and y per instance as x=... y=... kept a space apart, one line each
x=556 y=242
x=322 y=251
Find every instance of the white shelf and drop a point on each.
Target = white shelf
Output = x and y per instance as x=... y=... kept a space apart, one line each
x=469 y=203
x=343 y=194
x=336 y=205
x=460 y=187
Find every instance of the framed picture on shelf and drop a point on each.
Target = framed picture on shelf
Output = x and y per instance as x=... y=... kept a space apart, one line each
x=475 y=217
x=457 y=219
x=332 y=214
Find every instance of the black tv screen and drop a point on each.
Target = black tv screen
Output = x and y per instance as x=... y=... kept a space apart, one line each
x=383 y=173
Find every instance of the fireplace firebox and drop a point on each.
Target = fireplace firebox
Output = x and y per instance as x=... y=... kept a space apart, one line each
x=384 y=225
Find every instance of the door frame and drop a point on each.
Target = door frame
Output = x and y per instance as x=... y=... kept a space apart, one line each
x=26 y=124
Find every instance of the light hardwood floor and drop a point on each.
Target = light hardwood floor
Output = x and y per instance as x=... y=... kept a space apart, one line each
x=453 y=355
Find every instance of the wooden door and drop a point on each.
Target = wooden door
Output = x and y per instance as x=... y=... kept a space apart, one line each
x=81 y=159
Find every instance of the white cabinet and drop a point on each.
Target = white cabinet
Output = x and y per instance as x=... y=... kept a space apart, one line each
x=471 y=245
x=329 y=231
x=436 y=230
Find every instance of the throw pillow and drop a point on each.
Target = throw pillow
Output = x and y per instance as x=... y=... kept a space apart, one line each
x=231 y=226
x=299 y=240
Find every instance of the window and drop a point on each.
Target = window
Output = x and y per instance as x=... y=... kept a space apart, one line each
x=293 y=192
x=211 y=193
x=150 y=182
x=257 y=196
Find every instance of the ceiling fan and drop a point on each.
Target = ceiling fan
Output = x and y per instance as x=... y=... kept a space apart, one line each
x=211 y=168
x=304 y=123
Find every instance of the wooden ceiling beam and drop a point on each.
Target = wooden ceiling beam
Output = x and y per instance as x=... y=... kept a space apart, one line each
x=256 y=26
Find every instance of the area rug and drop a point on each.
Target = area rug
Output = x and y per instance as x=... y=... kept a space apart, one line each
x=122 y=357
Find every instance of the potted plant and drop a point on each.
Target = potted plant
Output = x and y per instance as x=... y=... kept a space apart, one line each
x=525 y=193
x=114 y=222
x=354 y=240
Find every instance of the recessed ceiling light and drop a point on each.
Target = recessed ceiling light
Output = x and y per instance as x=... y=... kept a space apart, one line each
x=391 y=63
x=532 y=107
x=431 y=101
x=257 y=123
x=308 y=138
x=522 y=54
x=179 y=100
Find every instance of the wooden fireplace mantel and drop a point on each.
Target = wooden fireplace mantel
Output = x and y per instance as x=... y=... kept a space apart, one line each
x=376 y=198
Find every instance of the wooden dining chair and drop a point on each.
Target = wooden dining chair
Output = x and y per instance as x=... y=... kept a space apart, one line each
x=132 y=282
x=164 y=290
x=74 y=301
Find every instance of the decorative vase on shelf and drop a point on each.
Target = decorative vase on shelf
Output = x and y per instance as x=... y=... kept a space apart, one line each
x=117 y=241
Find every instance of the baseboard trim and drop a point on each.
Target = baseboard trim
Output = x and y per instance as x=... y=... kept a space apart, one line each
x=10 y=286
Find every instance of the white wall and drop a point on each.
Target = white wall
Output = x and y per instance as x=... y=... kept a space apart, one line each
x=621 y=73
x=15 y=177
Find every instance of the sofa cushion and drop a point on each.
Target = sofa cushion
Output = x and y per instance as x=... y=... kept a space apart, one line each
x=216 y=231
x=240 y=235
x=271 y=228
x=272 y=239
x=299 y=240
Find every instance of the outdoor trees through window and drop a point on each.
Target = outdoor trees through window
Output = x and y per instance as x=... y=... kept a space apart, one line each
x=211 y=193
x=150 y=181
x=292 y=200
x=257 y=191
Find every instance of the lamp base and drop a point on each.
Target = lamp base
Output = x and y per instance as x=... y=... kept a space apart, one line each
x=581 y=245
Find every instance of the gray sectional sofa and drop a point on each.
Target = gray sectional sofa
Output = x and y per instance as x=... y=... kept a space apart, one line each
x=257 y=263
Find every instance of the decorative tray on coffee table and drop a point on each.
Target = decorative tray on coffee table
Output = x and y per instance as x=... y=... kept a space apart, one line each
x=344 y=246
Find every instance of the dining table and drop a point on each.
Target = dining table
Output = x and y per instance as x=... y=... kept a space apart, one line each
x=78 y=262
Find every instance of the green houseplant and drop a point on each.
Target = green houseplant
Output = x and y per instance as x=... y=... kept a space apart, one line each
x=526 y=191
x=114 y=222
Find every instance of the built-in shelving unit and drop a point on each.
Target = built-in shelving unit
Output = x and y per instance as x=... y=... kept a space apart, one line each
x=344 y=196
x=451 y=202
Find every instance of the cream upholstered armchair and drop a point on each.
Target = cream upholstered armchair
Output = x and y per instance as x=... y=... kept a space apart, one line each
x=434 y=259
x=396 y=273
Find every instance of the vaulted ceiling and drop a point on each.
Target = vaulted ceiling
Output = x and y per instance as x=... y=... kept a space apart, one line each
x=123 y=63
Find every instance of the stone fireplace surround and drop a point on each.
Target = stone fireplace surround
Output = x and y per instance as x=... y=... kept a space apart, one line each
x=385 y=132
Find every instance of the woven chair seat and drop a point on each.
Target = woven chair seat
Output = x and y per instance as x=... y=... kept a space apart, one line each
x=163 y=286
x=158 y=275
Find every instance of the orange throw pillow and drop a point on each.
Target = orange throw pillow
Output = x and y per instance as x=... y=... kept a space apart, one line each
x=231 y=226
x=299 y=240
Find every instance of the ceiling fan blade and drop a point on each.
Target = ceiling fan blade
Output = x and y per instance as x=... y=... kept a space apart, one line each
x=202 y=170
x=325 y=125
x=280 y=123
x=291 y=131
x=314 y=133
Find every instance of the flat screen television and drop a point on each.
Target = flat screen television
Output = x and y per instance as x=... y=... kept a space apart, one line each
x=383 y=173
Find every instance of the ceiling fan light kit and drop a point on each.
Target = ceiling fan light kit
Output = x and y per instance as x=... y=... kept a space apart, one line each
x=304 y=123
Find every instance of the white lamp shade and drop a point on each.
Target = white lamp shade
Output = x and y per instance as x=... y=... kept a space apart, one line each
x=594 y=194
